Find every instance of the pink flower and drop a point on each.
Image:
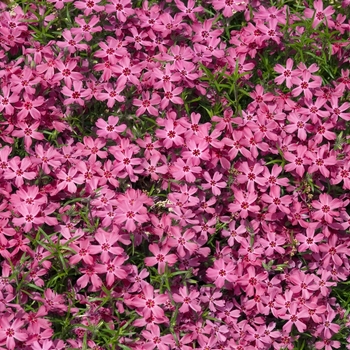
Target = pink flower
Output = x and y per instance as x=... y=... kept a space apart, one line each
x=66 y=73
x=110 y=128
x=6 y=100
x=327 y=327
x=249 y=174
x=147 y=103
x=253 y=283
x=83 y=252
x=86 y=28
x=130 y=213
x=28 y=132
x=171 y=133
x=188 y=300
x=89 y=274
x=11 y=331
x=127 y=71
x=171 y=95
x=273 y=243
x=69 y=180
x=30 y=216
x=106 y=245
x=298 y=122
x=275 y=200
x=196 y=152
x=304 y=84
x=310 y=240
x=221 y=272
x=327 y=207
x=148 y=303
x=113 y=269
x=75 y=96
x=188 y=10
x=320 y=14
x=297 y=162
x=294 y=317
x=72 y=43
x=183 y=241
x=244 y=203
x=155 y=340
x=122 y=8
x=332 y=251
x=161 y=257
x=214 y=183
x=181 y=170
x=89 y=6
x=286 y=73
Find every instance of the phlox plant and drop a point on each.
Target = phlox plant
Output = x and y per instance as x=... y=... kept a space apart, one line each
x=174 y=175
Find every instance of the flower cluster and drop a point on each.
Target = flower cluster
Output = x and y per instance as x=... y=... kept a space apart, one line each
x=172 y=180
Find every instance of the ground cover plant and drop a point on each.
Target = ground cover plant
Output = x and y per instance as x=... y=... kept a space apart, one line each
x=174 y=175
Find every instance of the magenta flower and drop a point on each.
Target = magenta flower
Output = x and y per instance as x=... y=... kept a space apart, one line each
x=319 y=14
x=298 y=122
x=171 y=95
x=221 y=272
x=332 y=251
x=310 y=240
x=11 y=331
x=130 y=213
x=83 y=252
x=72 y=43
x=327 y=327
x=6 y=100
x=110 y=128
x=75 y=96
x=155 y=340
x=106 y=246
x=286 y=73
x=171 y=133
x=327 y=208
x=86 y=29
x=17 y=170
x=122 y=8
x=89 y=6
x=244 y=203
x=249 y=174
x=273 y=243
x=336 y=110
x=28 y=106
x=275 y=200
x=297 y=162
x=161 y=257
x=253 y=283
x=127 y=71
x=69 y=180
x=30 y=216
x=66 y=73
x=126 y=162
x=234 y=234
x=148 y=303
x=320 y=162
x=181 y=170
x=214 y=183
x=183 y=241
x=196 y=152
x=304 y=85
x=113 y=269
x=187 y=299
x=294 y=317
x=147 y=103
x=37 y=321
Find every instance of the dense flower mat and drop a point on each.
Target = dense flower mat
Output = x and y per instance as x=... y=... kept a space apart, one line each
x=174 y=175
